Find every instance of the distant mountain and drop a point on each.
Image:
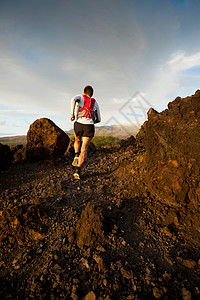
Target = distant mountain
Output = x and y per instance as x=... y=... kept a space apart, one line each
x=114 y=130
x=13 y=140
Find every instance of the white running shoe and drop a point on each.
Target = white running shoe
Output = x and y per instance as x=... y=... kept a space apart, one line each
x=77 y=173
x=76 y=176
x=75 y=161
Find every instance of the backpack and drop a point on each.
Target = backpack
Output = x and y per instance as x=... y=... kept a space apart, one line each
x=88 y=109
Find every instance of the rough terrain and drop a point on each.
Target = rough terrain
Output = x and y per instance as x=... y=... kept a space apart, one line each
x=112 y=235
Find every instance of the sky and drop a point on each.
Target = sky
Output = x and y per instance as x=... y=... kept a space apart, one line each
x=136 y=55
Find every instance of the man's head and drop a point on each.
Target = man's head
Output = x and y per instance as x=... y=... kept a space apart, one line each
x=88 y=90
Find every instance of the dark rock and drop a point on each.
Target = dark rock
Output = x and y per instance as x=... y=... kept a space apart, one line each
x=90 y=296
x=188 y=263
x=172 y=141
x=45 y=139
x=22 y=225
x=90 y=229
x=6 y=156
x=14 y=149
x=19 y=153
x=128 y=142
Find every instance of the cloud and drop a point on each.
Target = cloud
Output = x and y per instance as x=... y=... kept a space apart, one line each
x=172 y=79
x=181 y=61
x=2 y=123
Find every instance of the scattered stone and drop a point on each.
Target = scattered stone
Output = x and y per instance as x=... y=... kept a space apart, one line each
x=159 y=292
x=18 y=224
x=105 y=282
x=57 y=269
x=90 y=296
x=186 y=294
x=100 y=262
x=127 y=274
x=100 y=248
x=84 y=262
x=166 y=231
x=166 y=276
x=191 y=264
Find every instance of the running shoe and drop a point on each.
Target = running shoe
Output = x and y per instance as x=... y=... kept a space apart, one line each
x=75 y=161
x=77 y=173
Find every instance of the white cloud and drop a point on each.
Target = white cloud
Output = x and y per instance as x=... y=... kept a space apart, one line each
x=170 y=80
x=181 y=61
x=2 y=123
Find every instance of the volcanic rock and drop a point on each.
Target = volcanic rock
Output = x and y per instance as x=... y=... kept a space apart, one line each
x=6 y=156
x=128 y=142
x=45 y=139
x=19 y=153
x=89 y=229
x=171 y=163
x=22 y=225
x=90 y=296
x=172 y=142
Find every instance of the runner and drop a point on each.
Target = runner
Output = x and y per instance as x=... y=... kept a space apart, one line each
x=88 y=113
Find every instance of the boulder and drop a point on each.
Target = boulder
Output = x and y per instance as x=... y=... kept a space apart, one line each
x=6 y=156
x=172 y=142
x=45 y=140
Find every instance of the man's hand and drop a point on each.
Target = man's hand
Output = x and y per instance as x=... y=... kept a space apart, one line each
x=72 y=117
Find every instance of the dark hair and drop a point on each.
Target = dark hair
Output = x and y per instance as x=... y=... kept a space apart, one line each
x=88 y=90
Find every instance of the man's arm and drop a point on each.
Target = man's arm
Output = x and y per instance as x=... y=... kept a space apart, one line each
x=73 y=103
x=97 y=113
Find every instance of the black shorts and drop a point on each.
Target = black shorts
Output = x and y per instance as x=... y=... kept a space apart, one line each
x=86 y=130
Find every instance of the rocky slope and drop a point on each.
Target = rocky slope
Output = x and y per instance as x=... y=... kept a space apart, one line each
x=115 y=234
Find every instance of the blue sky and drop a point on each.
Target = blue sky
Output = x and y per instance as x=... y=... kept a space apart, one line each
x=49 y=50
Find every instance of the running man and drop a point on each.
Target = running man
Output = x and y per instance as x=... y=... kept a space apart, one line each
x=88 y=113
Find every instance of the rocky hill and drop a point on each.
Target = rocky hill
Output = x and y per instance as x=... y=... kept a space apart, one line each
x=129 y=229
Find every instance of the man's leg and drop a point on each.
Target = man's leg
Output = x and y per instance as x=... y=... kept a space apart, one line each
x=77 y=143
x=85 y=144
